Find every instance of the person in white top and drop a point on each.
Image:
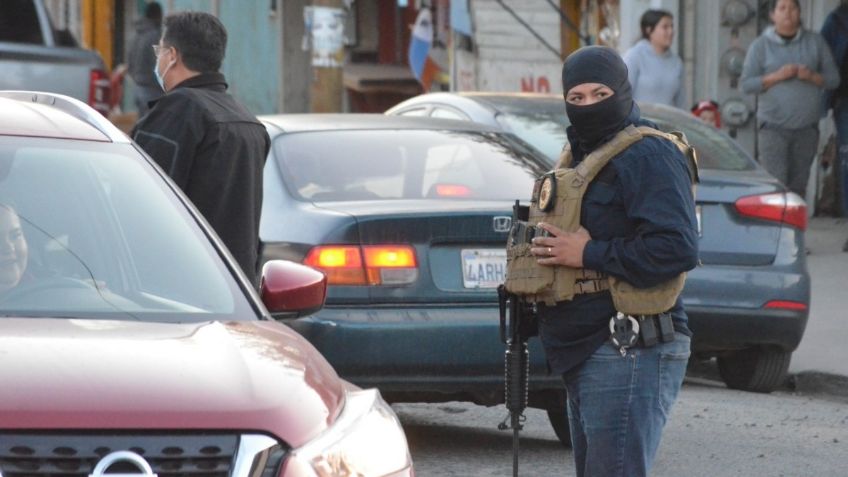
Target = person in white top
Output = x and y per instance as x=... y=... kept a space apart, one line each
x=656 y=74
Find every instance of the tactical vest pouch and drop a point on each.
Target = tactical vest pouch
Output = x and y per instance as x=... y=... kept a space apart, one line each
x=645 y=301
x=570 y=185
x=524 y=275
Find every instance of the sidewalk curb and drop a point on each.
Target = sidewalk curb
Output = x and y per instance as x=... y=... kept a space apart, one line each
x=810 y=383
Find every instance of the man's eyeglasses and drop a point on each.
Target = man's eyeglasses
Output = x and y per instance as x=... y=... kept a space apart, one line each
x=159 y=49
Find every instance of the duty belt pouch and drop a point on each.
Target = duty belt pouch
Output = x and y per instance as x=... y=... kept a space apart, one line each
x=655 y=329
x=648 y=332
x=666 y=328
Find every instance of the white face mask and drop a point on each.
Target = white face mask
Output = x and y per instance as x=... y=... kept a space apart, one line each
x=160 y=78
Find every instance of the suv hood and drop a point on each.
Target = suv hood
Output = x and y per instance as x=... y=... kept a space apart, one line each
x=92 y=374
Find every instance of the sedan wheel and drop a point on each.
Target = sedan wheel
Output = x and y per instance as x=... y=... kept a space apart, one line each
x=760 y=370
x=559 y=421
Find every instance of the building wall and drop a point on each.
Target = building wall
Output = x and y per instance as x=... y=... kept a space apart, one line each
x=65 y=15
x=254 y=49
x=295 y=68
x=509 y=57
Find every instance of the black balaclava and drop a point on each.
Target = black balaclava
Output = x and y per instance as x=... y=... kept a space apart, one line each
x=597 y=123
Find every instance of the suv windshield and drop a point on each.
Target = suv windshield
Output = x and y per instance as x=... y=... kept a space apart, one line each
x=91 y=231
x=406 y=164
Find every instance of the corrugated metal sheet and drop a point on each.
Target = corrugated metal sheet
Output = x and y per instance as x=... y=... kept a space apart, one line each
x=511 y=58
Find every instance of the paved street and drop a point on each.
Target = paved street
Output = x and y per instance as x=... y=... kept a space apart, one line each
x=713 y=432
x=823 y=348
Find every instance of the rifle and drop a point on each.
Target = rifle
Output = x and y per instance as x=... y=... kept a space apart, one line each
x=517 y=325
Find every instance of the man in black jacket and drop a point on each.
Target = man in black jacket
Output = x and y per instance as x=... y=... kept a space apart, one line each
x=209 y=144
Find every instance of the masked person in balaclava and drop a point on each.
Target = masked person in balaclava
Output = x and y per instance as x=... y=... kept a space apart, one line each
x=637 y=225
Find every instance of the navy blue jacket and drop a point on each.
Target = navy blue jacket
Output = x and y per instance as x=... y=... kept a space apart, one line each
x=640 y=213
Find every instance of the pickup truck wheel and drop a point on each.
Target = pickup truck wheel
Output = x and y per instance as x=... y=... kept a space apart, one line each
x=559 y=421
x=760 y=370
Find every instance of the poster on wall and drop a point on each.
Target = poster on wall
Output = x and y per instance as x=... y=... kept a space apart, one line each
x=326 y=33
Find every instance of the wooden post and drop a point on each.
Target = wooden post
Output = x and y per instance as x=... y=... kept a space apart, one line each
x=327 y=82
x=569 y=39
x=97 y=22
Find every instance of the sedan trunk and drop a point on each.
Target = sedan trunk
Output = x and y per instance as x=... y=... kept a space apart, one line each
x=459 y=246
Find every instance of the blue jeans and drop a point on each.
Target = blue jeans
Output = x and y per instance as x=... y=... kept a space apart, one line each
x=618 y=406
x=840 y=119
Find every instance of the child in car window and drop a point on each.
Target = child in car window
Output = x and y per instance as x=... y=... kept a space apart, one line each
x=708 y=112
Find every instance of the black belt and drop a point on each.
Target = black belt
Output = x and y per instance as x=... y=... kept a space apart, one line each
x=640 y=331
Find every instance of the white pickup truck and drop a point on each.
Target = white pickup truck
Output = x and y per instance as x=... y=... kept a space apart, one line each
x=35 y=56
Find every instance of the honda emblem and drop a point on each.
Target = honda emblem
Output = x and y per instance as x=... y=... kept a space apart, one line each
x=502 y=223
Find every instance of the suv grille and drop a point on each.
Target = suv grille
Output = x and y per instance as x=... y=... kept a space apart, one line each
x=60 y=455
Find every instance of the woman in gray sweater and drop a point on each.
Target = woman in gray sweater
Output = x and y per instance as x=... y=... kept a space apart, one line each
x=789 y=68
x=656 y=74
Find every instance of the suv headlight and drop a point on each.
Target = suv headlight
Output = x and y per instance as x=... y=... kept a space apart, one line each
x=366 y=440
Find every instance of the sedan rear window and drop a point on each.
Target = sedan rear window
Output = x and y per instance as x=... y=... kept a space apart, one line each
x=715 y=150
x=406 y=164
x=543 y=130
x=542 y=123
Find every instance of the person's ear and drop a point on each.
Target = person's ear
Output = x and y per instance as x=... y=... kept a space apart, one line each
x=175 y=56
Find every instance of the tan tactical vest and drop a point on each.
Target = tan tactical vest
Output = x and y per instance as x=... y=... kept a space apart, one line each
x=562 y=197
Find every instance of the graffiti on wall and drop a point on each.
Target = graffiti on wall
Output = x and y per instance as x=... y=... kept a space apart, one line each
x=534 y=84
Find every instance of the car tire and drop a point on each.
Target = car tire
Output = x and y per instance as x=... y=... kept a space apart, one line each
x=559 y=421
x=760 y=370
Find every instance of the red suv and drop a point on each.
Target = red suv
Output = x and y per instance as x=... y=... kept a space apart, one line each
x=131 y=343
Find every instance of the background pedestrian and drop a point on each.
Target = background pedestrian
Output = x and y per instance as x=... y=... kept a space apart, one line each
x=656 y=74
x=835 y=33
x=140 y=57
x=788 y=68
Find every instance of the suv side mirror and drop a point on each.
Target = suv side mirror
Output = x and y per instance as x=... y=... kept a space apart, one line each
x=292 y=290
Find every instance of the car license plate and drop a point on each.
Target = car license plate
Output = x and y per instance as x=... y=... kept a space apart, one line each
x=483 y=267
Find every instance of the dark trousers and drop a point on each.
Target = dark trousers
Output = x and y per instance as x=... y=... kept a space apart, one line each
x=788 y=154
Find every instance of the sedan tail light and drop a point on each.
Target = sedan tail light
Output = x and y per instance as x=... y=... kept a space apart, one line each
x=784 y=207
x=365 y=265
x=452 y=190
x=98 y=91
x=786 y=305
